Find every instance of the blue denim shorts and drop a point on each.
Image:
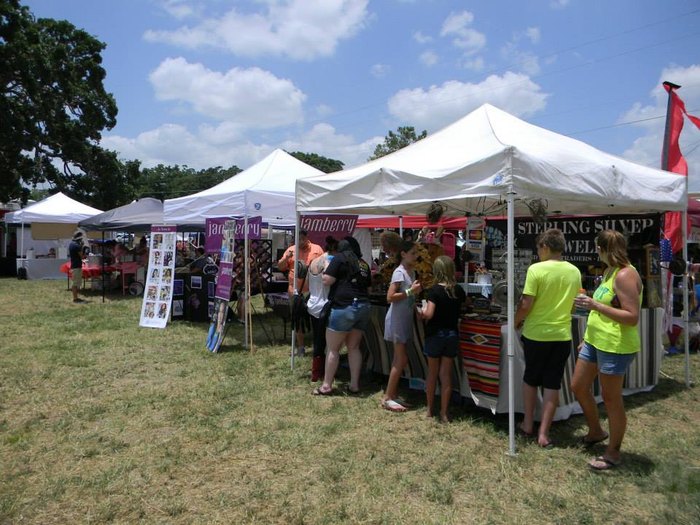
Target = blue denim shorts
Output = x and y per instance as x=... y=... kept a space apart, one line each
x=445 y=343
x=608 y=363
x=353 y=317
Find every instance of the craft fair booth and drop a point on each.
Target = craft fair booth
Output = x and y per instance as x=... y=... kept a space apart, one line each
x=43 y=232
x=492 y=163
x=264 y=190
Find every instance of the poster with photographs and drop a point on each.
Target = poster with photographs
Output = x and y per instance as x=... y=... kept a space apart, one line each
x=158 y=295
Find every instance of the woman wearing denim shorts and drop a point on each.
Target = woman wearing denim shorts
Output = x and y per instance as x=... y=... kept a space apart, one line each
x=349 y=277
x=609 y=346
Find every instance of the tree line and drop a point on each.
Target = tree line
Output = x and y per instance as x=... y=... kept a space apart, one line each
x=54 y=108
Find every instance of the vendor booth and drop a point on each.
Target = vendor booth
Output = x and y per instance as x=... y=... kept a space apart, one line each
x=265 y=189
x=44 y=230
x=490 y=163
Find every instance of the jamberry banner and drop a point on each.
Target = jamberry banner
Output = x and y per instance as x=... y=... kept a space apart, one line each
x=321 y=226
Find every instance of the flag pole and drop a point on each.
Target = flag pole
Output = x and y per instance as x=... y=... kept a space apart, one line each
x=665 y=165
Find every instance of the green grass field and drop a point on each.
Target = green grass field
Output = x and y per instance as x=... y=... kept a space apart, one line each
x=102 y=421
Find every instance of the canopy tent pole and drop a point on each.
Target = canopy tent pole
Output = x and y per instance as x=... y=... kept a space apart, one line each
x=465 y=258
x=291 y=299
x=511 y=323
x=401 y=226
x=247 y=317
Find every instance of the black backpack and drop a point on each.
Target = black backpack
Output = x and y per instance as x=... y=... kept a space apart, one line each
x=22 y=273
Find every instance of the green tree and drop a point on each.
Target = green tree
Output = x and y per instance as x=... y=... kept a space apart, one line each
x=404 y=136
x=319 y=162
x=53 y=104
x=168 y=182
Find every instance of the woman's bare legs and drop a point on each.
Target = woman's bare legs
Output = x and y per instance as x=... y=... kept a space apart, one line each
x=581 y=385
x=334 y=342
x=397 y=366
x=431 y=383
x=353 y=341
x=611 y=386
x=445 y=386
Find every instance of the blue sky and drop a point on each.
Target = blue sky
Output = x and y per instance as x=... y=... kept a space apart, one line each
x=209 y=83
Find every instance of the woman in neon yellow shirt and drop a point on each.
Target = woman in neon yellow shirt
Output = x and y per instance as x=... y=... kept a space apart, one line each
x=609 y=346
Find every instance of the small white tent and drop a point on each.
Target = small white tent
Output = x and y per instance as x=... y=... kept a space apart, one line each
x=56 y=209
x=265 y=189
x=487 y=162
x=52 y=219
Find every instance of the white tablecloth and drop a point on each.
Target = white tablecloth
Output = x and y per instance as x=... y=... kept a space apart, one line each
x=43 y=268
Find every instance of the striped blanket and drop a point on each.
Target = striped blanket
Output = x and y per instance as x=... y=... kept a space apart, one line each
x=480 y=344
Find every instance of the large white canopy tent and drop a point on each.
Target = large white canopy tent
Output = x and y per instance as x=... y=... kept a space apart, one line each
x=58 y=209
x=487 y=162
x=265 y=189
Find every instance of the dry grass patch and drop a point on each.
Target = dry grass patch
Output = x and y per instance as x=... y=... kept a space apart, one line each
x=102 y=421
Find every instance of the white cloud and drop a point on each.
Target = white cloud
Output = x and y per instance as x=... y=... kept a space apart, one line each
x=428 y=58
x=558 y=4
x=178 y=9
x=324 y=140
x=380 y=70
x=421 y=38
x=525 y=61
x=251 y=97
x=172 y=144
x=473 y=64
x=533 y=33
x=437 y=106
x=469 y=40
x=652 y=118
x=298 y=29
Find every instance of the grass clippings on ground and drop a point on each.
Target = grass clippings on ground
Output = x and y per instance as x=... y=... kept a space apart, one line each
x=102 y=421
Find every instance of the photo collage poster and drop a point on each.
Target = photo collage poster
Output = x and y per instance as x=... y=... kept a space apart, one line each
x=158 y=292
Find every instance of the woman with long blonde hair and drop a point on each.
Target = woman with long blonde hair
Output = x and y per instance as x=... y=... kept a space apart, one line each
x=609 y=346
x=441 y=311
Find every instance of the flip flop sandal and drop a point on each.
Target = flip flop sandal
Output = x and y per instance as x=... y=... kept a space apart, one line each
x=603 y=463
x=590 y=442
x=547 y=446
x=318 y=392
x=393 y=406
x=401 y=401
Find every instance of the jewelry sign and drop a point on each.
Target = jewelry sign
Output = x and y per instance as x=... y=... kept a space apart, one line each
x=158 y=292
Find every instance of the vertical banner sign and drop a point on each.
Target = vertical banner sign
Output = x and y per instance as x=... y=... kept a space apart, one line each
x=158 y=292
x=319 y=227
x=222 y=295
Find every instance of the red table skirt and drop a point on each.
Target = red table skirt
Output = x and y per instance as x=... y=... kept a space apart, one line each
x=89 y=271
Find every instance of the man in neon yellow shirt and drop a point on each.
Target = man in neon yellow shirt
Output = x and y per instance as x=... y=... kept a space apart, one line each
x=545 y=308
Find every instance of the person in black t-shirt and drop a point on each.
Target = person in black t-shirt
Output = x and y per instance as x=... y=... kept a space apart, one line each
x=349 y=276
x=441 y=311
x=75 y=251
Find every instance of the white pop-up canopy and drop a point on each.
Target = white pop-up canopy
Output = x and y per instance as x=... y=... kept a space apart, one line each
x=265 y=189
x=58 y=208
x=471 y=165
x=491 y=161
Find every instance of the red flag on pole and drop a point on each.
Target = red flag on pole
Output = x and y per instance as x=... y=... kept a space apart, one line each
x=672 y=158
